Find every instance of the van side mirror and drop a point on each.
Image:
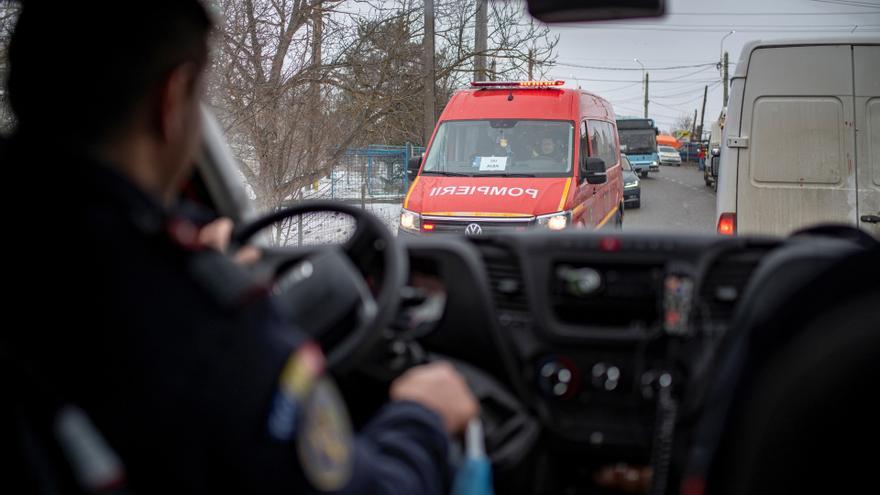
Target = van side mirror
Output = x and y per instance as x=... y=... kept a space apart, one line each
x=412 y=167
x=593 y=171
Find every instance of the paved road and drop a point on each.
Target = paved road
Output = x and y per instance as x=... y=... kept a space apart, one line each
x=674 y=199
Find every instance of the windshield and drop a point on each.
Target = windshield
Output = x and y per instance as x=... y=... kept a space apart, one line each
x=328 y=100
x=502 y=147
x=639 y=141
x=625 y=164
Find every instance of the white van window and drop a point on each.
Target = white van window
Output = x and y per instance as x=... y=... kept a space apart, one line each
x=530 y=148
x=798 y=140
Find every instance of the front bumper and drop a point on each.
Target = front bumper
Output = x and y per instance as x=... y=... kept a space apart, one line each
x=465 y=225
x=644 y=167
x=632 y=195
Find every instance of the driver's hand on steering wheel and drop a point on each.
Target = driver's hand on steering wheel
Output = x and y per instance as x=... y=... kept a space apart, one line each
x=216 y=235
x=440 y=388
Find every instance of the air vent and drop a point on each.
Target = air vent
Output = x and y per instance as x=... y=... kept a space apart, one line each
x=505 y=277
x=724 y=284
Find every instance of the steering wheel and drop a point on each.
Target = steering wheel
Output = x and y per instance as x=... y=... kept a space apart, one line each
x=322 y=288
x=511 y=432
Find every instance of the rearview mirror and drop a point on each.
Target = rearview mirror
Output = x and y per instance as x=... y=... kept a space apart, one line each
x=594 y=10
x=412 y=167
x=593 y=171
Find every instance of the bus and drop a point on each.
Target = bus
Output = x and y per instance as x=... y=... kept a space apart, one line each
x=638 y=139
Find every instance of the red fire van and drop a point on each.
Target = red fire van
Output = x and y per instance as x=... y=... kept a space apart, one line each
x=514 y=156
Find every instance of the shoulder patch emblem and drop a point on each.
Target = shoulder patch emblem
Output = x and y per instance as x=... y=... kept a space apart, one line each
x=324 y=438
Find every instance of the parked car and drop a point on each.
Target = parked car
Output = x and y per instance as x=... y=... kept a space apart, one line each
x=710 y=171
x=690 y=152
x=632 y=188
x=669 y=156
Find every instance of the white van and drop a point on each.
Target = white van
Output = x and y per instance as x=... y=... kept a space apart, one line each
x=802 y=140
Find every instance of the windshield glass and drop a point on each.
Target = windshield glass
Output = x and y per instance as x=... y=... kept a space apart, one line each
x=639 y=141
x=502 y=147
x=625 y=164
x=328 y=100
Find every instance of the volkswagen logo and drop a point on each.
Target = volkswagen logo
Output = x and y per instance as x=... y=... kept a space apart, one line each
x=473 y=229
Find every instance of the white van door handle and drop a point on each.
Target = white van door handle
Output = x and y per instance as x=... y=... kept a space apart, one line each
x=870 y=218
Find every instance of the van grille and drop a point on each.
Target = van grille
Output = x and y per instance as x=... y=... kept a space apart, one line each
x=487 y=226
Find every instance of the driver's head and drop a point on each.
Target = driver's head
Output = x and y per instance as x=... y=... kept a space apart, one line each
x=548 y=146
x=122 y=80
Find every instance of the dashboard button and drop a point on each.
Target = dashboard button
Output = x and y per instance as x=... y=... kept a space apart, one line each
x=558 y=377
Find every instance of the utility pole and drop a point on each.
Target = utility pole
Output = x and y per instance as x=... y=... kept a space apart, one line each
x=531 y=64
x=694 y=125
x=724 y=75
x=480 y=41
x=428 y=45
x=315 y=89
x=646 y=95
x=703 y=115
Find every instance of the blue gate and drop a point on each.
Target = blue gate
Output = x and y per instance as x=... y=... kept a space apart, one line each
x=376 y=172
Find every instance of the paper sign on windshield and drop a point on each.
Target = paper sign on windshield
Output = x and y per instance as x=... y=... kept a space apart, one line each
x=493 y=163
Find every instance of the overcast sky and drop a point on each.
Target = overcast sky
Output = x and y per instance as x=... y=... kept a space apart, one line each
x=691 y=34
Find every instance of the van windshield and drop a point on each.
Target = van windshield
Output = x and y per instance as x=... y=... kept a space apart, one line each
x=639 y=140
x=476 y=148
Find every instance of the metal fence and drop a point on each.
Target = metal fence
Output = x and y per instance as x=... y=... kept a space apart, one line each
x=373 y=178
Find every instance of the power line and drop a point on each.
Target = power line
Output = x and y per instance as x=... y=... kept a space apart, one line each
x=692 y=73
x=667 y=81
x=681 y=93
x=599 y=67
x=712 y=87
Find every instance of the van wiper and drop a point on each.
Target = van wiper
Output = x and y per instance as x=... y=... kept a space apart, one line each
x=504 y=175
x=443 y=172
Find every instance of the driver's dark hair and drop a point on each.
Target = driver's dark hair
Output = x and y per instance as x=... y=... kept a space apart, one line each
x=78 y=70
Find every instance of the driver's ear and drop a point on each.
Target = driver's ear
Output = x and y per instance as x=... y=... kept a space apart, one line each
x=175 y=99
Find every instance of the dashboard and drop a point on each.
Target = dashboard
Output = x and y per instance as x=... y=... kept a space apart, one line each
x=589 y=330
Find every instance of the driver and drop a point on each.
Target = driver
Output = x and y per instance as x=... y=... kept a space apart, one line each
x=547 y=149
x=168 y=346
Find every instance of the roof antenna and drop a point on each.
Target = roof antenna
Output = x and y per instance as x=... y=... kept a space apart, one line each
x=510 y=96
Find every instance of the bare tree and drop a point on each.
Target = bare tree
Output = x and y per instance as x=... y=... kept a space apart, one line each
x=297 y=82
x=684 y=122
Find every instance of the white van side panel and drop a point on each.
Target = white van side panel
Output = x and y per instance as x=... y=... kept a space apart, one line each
x=866 y=61
x=797 y=111
x=725 y=199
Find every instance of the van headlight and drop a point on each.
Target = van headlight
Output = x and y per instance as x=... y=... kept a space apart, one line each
x=410 y=221
x=555 y=221
x=654 y=162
